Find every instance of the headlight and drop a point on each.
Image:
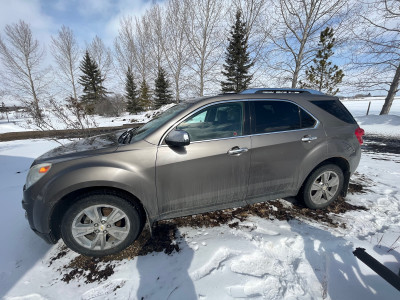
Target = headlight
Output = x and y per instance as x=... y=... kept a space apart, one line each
x=35 y=173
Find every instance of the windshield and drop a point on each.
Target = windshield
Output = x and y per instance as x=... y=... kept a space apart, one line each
x=158 y=121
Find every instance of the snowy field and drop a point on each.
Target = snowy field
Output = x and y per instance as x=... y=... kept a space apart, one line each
x=373 y=123
x=258 y=259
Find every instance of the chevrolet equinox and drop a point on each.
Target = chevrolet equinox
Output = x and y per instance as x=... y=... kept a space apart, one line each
x=198 y=156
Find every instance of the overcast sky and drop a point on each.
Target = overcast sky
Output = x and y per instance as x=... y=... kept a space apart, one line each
x=86 y=18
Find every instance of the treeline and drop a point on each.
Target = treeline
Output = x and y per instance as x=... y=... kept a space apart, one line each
x=190 y=48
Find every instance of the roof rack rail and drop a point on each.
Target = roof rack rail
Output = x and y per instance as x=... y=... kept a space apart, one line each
x=281 y=91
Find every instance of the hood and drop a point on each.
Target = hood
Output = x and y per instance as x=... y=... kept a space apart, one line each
x=105 y=143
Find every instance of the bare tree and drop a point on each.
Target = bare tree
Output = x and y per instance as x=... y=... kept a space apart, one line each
x=125 y=47
x=297 y=24
x=142 y=47
x=153 y=18
x=66 y=54
x=379 y=38
x=205 y=33
x=102 y=55
x=22 y=58
x=174 y=42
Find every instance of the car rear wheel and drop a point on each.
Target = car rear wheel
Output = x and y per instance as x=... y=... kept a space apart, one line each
x=101 y=224
x=323 y=186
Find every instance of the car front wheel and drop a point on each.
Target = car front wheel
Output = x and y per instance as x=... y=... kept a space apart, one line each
x=323 y=186
x=101 y=224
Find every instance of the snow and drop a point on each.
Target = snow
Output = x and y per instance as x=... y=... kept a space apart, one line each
x=18 y=122
x=260 y=259
x=387 y=125
x=373 y=123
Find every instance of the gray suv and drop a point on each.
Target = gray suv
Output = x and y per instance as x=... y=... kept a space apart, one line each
x=198 y=156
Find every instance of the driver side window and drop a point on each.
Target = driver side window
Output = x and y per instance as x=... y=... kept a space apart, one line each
x=215 y=122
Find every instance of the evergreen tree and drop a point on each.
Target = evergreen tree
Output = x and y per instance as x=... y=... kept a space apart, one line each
x=321 y=75
x=162 y=93
x=144 y=95
x=92 y=82
x=133 y=105
x=237 y=62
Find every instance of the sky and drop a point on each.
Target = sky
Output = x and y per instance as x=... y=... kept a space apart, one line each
x=87 y=18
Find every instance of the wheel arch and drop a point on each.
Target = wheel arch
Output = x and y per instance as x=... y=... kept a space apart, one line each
x=342 y=163
x=65 y=202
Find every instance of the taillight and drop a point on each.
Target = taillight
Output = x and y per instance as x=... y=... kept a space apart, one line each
x=359 y=134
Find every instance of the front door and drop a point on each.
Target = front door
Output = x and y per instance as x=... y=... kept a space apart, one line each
x=210 y=173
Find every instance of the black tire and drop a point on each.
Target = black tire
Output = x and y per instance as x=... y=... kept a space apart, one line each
x=328 y=191
x=100 y=229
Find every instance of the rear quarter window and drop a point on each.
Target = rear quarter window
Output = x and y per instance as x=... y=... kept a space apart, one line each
x=337 y=109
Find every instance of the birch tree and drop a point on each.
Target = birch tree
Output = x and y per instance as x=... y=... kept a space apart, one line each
x=142 y=46
x=22 y=58
x=205 y=33
x=125 y=47
x=154 y=20
x=65 y=51
x=174 y=43
x=132 y=47
x=102 y=56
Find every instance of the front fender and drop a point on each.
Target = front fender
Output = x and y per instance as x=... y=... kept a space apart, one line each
x=130 y=170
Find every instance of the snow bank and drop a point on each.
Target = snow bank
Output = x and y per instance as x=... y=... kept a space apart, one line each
x=359 y=107
x=387 y=125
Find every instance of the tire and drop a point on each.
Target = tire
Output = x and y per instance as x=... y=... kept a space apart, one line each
x=323 y=186
x=100 y=224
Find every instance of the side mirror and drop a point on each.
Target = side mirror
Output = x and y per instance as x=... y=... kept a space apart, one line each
x=177 y=138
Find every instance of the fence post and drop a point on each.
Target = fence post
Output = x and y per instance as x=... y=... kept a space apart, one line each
x=369 y=105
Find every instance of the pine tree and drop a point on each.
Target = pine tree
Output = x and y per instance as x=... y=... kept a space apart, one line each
x=92 y=82
x=133 y=105
x=144 y=95
x=322 y=76
x=237 y=62
x=162 y=93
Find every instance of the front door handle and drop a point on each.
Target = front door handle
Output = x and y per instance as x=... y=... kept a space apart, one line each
x=308 y=138
x=237 y=151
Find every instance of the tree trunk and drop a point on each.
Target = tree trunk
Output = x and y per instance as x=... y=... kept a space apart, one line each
x=392 y=92
x=295 y=76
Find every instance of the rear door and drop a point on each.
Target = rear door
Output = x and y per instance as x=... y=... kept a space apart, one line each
x=210 y=173
x=285 y=138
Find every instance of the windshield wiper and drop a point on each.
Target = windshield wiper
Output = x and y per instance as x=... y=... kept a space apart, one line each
x=127 y=136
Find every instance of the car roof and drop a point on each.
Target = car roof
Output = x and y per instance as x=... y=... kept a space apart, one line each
x=270 y=94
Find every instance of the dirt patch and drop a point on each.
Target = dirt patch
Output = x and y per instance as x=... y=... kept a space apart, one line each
x=63 y=251
x=356 y=188
x=91 y=269
x=276 y=209
x=99 y=269
x=380 y=144
x=165 y=238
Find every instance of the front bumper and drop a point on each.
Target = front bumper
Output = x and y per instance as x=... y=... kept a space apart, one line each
x=38 y=215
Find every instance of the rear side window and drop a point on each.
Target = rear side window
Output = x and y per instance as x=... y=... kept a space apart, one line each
x=275 y=116
x=337 y=109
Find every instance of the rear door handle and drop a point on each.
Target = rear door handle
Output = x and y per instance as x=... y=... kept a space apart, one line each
x=237 y=151
x=308 y=138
